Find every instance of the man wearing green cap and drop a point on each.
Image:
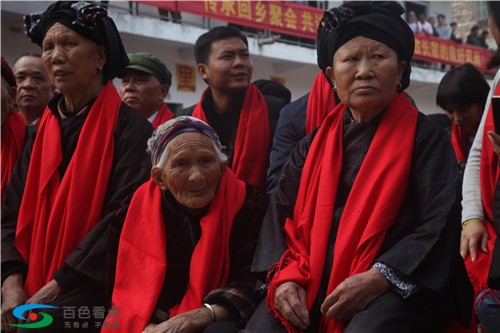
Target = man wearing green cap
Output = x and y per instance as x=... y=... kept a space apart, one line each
x=145 y=84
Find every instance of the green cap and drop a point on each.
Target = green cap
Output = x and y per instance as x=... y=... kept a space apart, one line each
x=148 y=63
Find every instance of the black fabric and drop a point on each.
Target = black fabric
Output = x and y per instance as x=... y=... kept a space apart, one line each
x=494 y=272
x=222 y=327
x=131 y=167
x=104 y=33
x=427 y=228
x=377 y=20
x=226 y=125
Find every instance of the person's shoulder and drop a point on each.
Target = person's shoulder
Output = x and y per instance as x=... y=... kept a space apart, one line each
x=186 y=111
x=131 y=122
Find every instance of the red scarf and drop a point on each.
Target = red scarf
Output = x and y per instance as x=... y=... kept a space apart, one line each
x=489 y=174
x=459 y=142
x=13 y=133
x=56 y=214
x=252 y=144
x=379 y=189
x=321 y=101
x=163 y=115
x=142 y=259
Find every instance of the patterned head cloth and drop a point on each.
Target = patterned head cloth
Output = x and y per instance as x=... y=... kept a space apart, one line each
x=174 y=127
x=377 y=20
x=88 y=20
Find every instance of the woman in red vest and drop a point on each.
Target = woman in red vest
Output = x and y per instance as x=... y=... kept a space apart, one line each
x=371 y=229
x=188 y=239
x=88 y=155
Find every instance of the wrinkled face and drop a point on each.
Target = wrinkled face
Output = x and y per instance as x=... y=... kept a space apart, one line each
x=229 y=67
x=466 y=116
x=192 y=170
x=142 y=92
x=366 y=74
x=72 y=61
x=34 y=89
x=8 y=96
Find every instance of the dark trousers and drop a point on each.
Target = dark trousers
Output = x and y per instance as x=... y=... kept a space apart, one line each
x=79 y=310
x=222 y=327
x=424 y=312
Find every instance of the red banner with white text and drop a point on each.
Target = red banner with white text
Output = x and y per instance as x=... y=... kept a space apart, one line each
x=289 y=18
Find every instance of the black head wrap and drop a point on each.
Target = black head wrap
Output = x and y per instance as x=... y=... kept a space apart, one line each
x=88 y=20
x=377 y=20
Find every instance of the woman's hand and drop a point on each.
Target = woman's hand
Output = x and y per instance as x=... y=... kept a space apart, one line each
x=474 y=234
x=290 y=302
x=354 y=294
x=189 y=322
x=13 y=295
x=495 y=141
x=47 y=294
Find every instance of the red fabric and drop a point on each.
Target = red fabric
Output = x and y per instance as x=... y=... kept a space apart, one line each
x=379 y=189
x=489 y=173
x=459 y=142
x=13 y=133
x=56 y=214
x=142 y=255
x=252 y=144
x=321 y=101
x=164 y=115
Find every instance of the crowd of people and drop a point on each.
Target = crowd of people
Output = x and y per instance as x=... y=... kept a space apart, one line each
x=427 y=26
x=346 y=210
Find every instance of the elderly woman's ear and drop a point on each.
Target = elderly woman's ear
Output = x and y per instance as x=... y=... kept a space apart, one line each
x=102 y=58
x=156 y=174
x=402 y=68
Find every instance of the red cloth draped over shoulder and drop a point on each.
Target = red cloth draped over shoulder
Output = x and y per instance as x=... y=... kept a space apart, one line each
x=459 y=142
x=164 y=115
x=489 y=174
x=142 y=254
x=321 y=101
x=56 y=214
x=13 y=133
x=379 y=189
x=252 y=144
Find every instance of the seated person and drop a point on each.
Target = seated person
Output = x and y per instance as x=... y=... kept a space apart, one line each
x=189 y=235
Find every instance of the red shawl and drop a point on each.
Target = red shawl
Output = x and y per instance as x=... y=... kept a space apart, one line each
x=379 y=189
x=56 y=214
x=252 y=144
x=489 y=174
x=142 y=254
x=13 y=132
x=459 y=142
x=164 y=115
x=321 y=101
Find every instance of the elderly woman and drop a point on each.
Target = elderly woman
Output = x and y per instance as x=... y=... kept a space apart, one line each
x=13 y=126
x=462 y=93
x=88 y=155
x=188 y=239
x=372 y=241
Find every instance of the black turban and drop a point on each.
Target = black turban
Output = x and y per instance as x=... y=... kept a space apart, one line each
x=88 y=20
x=377 y=20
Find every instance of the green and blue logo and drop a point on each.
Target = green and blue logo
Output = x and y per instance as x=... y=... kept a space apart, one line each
x=42 y=319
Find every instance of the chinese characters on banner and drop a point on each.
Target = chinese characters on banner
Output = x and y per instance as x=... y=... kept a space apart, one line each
x=186 y=80
x=289 y=18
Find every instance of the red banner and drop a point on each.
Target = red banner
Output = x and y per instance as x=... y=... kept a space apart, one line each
x=302 y=21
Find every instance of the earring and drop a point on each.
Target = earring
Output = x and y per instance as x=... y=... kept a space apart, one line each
x=335 y=88
x=399 y=87
x=99 y=69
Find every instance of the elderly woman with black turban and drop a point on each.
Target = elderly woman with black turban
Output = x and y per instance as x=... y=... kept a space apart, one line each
x=371 y=235
x=188 y=239
x=88 y=156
